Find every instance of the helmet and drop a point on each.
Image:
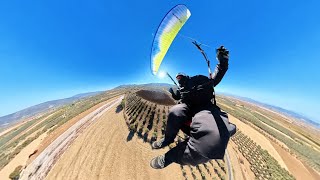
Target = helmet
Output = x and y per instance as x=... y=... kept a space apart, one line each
x=181 y=78
x=180 y=75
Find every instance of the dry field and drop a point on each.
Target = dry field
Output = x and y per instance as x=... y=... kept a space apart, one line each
x=108 y=150
x=279 y=125
x=298 y=170
x=39 y=167
x=55 y=134
x=103 y=152
x=21 y=158
x=241 y=167
x=104 y=148
x=258 y=138
x=36 y=136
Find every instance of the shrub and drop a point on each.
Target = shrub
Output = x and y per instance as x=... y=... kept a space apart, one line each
x=16 y=173
x=123 y=103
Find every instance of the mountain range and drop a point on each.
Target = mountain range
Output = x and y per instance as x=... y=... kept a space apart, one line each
x=43 y=107
x=280 y=110
x=40 y=108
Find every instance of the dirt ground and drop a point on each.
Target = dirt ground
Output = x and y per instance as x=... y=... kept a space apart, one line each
x=239 y=163
x=296 y=168
x=158 y=97
x=315 y=146
x=11 y=128
x=234 y=160
x=55 y=134
x=28 y=129
x=104 y=151
x=21 y=158
x=39 y=168
x=40 y=143
x=15 y=126
x=313 y=131
x=258 y=138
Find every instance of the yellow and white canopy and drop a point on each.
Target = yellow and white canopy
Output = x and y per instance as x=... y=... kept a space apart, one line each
x=167 y=31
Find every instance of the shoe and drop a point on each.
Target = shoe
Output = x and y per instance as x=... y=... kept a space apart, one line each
x=158 y=162
x=158 y=144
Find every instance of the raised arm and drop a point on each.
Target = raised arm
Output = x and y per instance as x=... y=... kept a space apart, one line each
x=222 y=66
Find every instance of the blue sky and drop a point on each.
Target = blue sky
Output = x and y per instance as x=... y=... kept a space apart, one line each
x=55 y=49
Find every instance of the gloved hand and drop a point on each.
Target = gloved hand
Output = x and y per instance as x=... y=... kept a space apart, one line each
x=222 y=54
x=171 y=90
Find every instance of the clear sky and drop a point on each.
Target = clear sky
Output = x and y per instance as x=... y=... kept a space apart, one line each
x=55 y=49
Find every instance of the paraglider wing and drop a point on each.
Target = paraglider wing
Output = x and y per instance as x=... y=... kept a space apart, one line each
x=167 y=31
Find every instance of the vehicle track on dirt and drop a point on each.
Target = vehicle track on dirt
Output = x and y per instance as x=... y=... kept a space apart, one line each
x=41 y=166
x=104 y=151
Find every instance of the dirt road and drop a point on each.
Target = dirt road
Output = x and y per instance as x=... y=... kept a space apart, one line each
x=107 y=151
x=40 y=167
x=230 y=173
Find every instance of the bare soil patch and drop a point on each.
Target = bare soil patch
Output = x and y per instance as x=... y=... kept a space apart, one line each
x=296 y=168
x=240 y=164
x=21 y=158
x=307 y=141
x=158 y=97
x=258 y=138
x=40 y=167
x=234 y=160
x=104 y=152
x=55 y=134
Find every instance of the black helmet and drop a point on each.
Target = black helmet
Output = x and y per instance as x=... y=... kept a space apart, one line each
x=181 y=74
x=181 y=78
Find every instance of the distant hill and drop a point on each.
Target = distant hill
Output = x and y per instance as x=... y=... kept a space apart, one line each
x=280 y=110
x=34 y=110
x=292 y=114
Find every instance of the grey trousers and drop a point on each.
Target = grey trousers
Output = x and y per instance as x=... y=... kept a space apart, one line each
x=186 y=152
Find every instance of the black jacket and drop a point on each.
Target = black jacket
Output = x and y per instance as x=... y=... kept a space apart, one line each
x=198 y=90
x=209 y=135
